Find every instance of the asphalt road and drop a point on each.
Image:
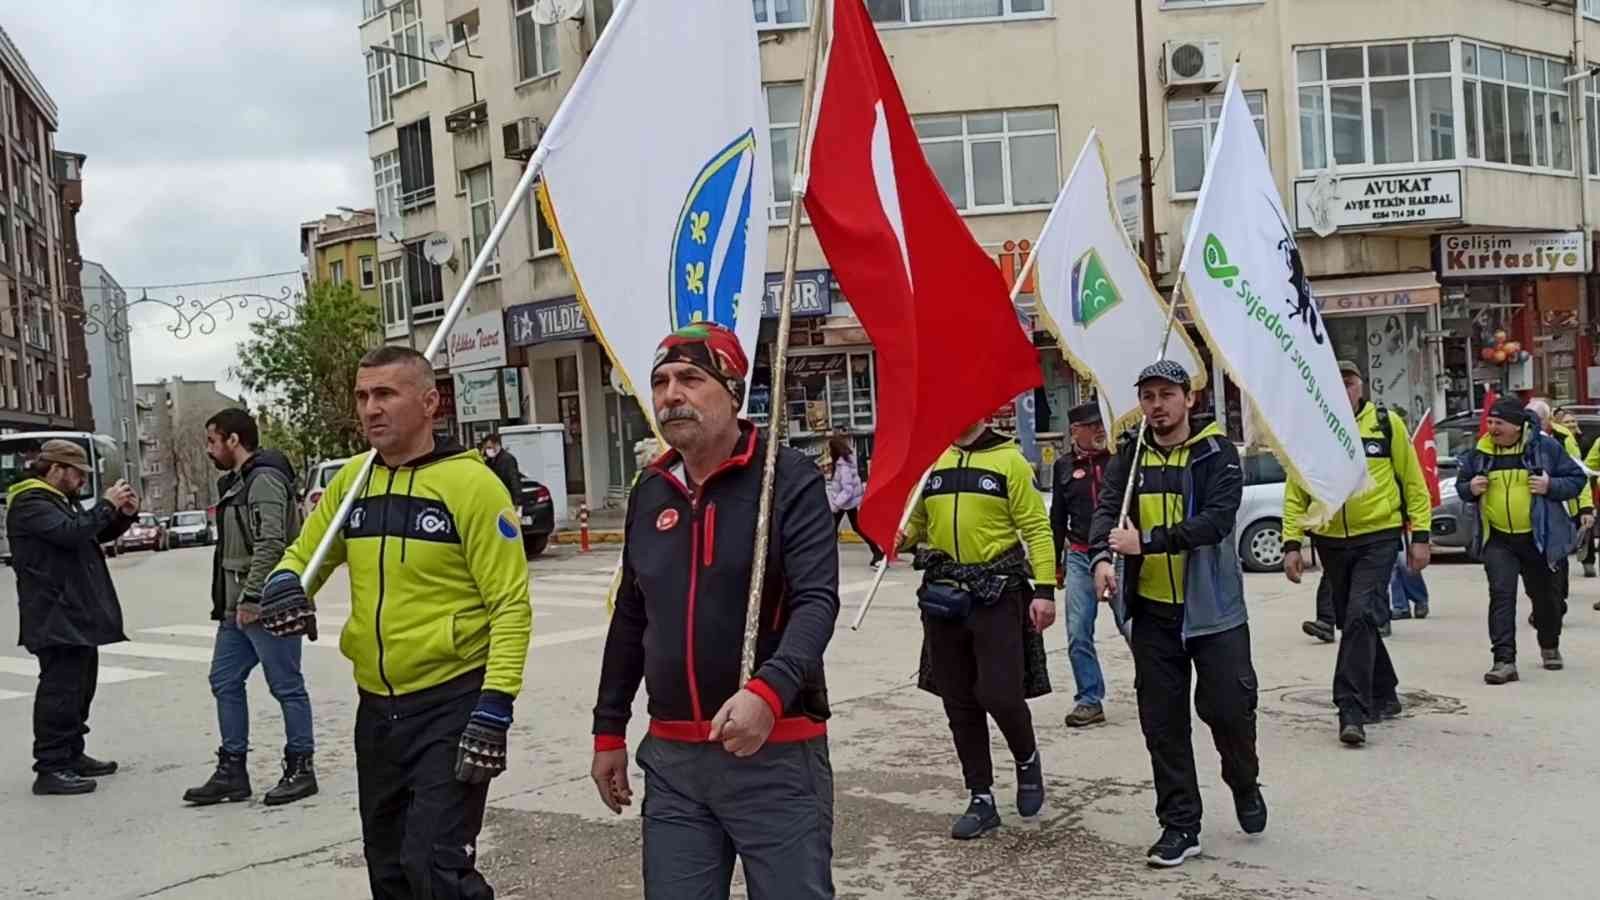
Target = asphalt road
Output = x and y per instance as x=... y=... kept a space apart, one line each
x=1476 y=792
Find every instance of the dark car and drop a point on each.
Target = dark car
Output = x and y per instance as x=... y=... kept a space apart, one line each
x=538 y=517
x=146 y=534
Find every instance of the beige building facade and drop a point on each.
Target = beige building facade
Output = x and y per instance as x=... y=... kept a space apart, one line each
x=1427 y=149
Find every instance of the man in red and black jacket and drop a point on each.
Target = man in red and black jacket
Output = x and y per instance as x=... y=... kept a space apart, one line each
x=730 y=770
x=1075 y=490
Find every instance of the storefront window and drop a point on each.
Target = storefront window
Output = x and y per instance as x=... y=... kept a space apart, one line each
x=1393 y=356
x=568 y=403
x=830 y=392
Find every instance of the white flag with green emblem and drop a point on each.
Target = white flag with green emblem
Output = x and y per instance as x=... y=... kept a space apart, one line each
x=1246 y=285
x=1094 y=294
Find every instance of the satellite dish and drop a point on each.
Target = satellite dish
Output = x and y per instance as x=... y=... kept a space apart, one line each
x=617 y=383
x=439 y=47
x=438 y=248
x=549 y=12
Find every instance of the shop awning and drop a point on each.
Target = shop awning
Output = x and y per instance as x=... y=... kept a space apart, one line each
x=1371 y=294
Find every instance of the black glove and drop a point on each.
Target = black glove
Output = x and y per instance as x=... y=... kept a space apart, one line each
x=481 y=755
x=286 y=611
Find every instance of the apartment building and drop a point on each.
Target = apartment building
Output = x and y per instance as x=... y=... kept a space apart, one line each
x=178 y=475
x=112 y=399
x=1429 y=150
x=41 y=350
x=341 y=248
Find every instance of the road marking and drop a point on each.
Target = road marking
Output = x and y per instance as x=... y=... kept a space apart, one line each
x=11 y=665
x=582 y=580
x=541 y=600
x=195 y=631
x=860 y=587
x=178 y=653
x=570 y=636
x=12 y=695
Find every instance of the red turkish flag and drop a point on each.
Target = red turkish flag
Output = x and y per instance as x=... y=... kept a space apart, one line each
x=1428 y=454
x=950 y=347
x=1489 y=400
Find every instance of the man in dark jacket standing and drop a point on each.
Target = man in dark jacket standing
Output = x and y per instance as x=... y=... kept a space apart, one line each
x=1514 y=482
x=504 y=465
x=69 y=607
x=256 y=519
x=1185 y=594
x=1076 y=489
x=731 y=770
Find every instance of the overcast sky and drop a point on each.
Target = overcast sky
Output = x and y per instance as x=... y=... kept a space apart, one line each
x=213 y=129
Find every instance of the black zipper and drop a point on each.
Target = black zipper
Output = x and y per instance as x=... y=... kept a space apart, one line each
x=1166 y=522
x=955 y=512
x=377 y=620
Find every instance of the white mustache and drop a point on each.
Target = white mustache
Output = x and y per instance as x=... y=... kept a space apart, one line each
x=674 y=413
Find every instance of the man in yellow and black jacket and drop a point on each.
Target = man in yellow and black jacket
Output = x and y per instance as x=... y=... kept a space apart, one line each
x=1185 y=595
x=1358 y=547
x=437 y=633
x=977 y=512
x=1580 y=508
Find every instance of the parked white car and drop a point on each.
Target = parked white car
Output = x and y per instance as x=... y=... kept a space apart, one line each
x=317 y=483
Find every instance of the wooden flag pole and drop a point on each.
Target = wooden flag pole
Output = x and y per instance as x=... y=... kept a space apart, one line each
x=911 y=504
x=518 y=196
x=780 y=350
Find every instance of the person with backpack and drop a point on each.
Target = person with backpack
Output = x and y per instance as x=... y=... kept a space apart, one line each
x=257 y=517
x=1358 y=546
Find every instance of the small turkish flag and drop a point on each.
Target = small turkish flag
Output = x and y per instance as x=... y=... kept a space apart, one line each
x=1489 y=400
x=1428 y=454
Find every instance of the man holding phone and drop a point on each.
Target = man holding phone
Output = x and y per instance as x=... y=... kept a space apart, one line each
x=69 y=607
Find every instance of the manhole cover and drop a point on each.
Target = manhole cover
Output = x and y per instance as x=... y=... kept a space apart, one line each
x=1302 y=700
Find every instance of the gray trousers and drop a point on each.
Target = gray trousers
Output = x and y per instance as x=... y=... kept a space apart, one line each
x=703 y=807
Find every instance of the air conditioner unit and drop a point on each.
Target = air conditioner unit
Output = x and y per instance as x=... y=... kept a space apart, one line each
x=1186 y=62
x=521 y=136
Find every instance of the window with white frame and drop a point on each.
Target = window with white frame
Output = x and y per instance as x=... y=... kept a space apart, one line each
x=1185 y=4
x=416 y=164
x=996 y=160
x=1516 y=107
x=336 y=271
x=913 y=12
x=380 y=84
x=1591 y=9
x=369 y=273
x=1591 y=100
x=783 y=125
x=464 y=31
x=405 y=35
x=480 y=217
x=544 y=237
x=538 y=53
x=780 y=13
x=1192 y=123
x=386 y=181
x=370 y=8
x=424 y=285
x=393 y=272
x=1376 y=104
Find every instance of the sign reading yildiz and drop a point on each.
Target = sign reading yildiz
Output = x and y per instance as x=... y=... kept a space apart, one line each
x=1511 y=253
x=1330 y=202
x=477 y=342
x=547 y=320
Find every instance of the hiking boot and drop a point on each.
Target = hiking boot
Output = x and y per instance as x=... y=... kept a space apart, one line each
x=1173 y=848
x=86 y=766
x=62 y=784
x=228 y=783
x=1322 y=631
x=1384 y=710
x=1551 y=659
x=298 y=781
x=1030 y=787
x=1386 y=630
x=1501 y=673
x=1086 y=714
x=1251 y=808
x=1352 y=734
x=1400 y=614
x=1588 y=570
x=1421 y=611
x=980 y=817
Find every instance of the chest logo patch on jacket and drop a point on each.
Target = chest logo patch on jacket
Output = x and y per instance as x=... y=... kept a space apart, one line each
x=667 y=519
x=398 y=516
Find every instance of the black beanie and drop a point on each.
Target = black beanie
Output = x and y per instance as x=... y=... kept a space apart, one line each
x=1509 y=409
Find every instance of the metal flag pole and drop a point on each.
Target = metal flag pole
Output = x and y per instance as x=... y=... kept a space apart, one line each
x=911 y=504
x=780 y=350
x=518 y=196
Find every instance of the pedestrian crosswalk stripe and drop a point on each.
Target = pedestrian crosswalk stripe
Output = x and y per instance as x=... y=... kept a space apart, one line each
x=182 y=653
x=12 y=695
x=587 y=580
x=569 y=636
x=196 y=631
x=12 y=665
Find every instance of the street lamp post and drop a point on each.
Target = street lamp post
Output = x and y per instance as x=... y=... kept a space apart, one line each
x=1146 y=176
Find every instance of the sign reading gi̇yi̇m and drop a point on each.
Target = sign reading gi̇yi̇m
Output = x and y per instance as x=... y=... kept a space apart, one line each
x=1511 y=253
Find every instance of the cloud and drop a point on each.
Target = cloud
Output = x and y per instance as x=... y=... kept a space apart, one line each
x=212 y=130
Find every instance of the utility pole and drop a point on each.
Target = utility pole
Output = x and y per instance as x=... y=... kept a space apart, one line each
x=1146 y=176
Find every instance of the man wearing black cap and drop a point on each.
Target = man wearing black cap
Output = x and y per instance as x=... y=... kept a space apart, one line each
x=1358 y=546
x=1185 y=595
x=1075 y=489
x=1516 y=480
x=731 y=770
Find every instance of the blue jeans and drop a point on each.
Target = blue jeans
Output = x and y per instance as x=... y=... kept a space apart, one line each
x=1081 y=608
x=1406 y=588
x=237 y=651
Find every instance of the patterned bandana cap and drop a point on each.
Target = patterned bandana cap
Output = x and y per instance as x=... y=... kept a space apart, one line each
x=1166 y=370
x=708 y=346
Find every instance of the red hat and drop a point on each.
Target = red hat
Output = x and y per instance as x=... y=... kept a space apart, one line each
x=711 y=347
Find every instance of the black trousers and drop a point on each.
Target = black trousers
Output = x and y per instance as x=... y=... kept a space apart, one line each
x=977 y=667
x=1505 y=557
x=1357 y=583
x=419 y=824
x=855 y=523
x=67 y=677
x=1225 y=698
x=1325 y=613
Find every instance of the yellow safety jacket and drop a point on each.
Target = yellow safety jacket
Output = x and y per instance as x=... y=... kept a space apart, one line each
x=1392 y=462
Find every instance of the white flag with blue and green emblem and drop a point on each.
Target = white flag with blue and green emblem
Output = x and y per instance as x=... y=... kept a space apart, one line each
x=657 y=178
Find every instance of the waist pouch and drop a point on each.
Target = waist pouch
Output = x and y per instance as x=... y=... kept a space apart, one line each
x=944 y=600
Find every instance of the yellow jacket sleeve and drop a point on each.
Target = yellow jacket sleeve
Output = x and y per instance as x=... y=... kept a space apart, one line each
x=1295 y=501
x=298 y=556
x=491 y=540
x=1403 y=456
x=1575 y=450
x=1592 y=461
x=1031 y=518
